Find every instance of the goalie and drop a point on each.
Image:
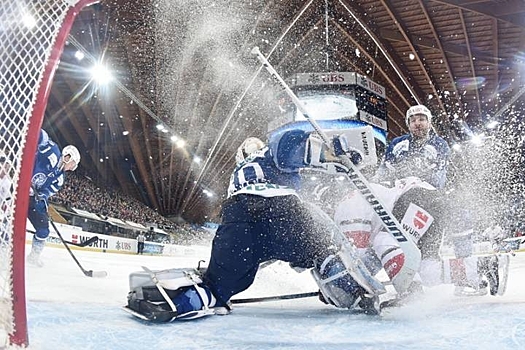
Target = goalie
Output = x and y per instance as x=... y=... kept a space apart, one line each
x=264 y=219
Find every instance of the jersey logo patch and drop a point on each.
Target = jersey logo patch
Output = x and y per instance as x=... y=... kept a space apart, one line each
x=39 y=179
x=416 y=221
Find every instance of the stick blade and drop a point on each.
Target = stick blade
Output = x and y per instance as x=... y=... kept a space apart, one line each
x=91 y=240
x=96 y=274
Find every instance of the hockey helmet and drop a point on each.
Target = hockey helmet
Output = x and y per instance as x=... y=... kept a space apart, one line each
x=250 y=145
x=74 y=154
x=416 y=110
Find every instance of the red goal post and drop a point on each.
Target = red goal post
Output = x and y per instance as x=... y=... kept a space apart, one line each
x=32 y=37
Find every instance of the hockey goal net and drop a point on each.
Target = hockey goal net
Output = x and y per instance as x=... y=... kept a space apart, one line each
x=32 y=36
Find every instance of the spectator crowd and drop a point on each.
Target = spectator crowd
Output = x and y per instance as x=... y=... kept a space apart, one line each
x=80 y=192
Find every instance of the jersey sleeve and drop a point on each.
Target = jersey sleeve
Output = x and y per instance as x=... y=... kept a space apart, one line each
x=439 y=176
x=47 y=178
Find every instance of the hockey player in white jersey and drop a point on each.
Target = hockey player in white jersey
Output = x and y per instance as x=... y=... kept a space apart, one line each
x=425 y=155
x=426 y=216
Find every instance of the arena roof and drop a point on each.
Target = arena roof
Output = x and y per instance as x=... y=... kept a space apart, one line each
x=187 y=65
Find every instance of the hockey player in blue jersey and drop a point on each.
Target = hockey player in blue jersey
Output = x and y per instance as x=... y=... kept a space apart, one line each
x=264 y=219
x=48 y=177
x=421 y=153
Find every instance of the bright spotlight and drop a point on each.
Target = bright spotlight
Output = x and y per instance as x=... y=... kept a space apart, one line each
x=159 y=126
x=197 y=160
x=101 y=74
x=174 y=138
x=456 y=147
x=181 y=143
x=79 y=55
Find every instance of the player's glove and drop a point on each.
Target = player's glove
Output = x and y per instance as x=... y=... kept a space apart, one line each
x=319 y=155
x=341 y=148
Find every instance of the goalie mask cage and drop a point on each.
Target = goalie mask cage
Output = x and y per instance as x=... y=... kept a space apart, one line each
x=32 y=37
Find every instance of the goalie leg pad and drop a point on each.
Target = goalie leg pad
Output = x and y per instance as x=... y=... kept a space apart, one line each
x=168 y=295
x=503 y=271
x=157 y=312
x=496 y=270
x=344 y=281
x=335 y=283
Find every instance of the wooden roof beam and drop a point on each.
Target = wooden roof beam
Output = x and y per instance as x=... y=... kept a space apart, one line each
x=471 y=59
x=512 y=12
x=461 y=50
x=396 y=18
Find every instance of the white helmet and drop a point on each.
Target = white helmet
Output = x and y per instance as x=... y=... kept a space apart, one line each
x=74 y=153
x=418 y=109
x=250 y=145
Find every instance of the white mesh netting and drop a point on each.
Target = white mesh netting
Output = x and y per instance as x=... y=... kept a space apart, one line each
x=28 y=37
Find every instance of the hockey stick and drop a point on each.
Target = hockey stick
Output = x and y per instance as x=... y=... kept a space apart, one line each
x=275 y=298
x=81 y=244
x=390 y=223
x=88 y=273
x=384 y=305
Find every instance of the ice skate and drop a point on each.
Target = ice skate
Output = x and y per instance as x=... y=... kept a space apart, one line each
x=34 y=260
x=370 y=304
x=471 y=291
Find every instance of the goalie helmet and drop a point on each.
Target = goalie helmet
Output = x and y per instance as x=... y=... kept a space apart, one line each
x=74 y=154
x=418 y=109
x=250 y=145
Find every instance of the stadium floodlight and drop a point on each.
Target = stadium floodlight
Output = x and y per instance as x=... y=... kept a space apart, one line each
x=101 y=74
x=456 y=147
x=79 y=55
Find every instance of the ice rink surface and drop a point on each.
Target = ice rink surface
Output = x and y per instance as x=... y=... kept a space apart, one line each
x=67 y=310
